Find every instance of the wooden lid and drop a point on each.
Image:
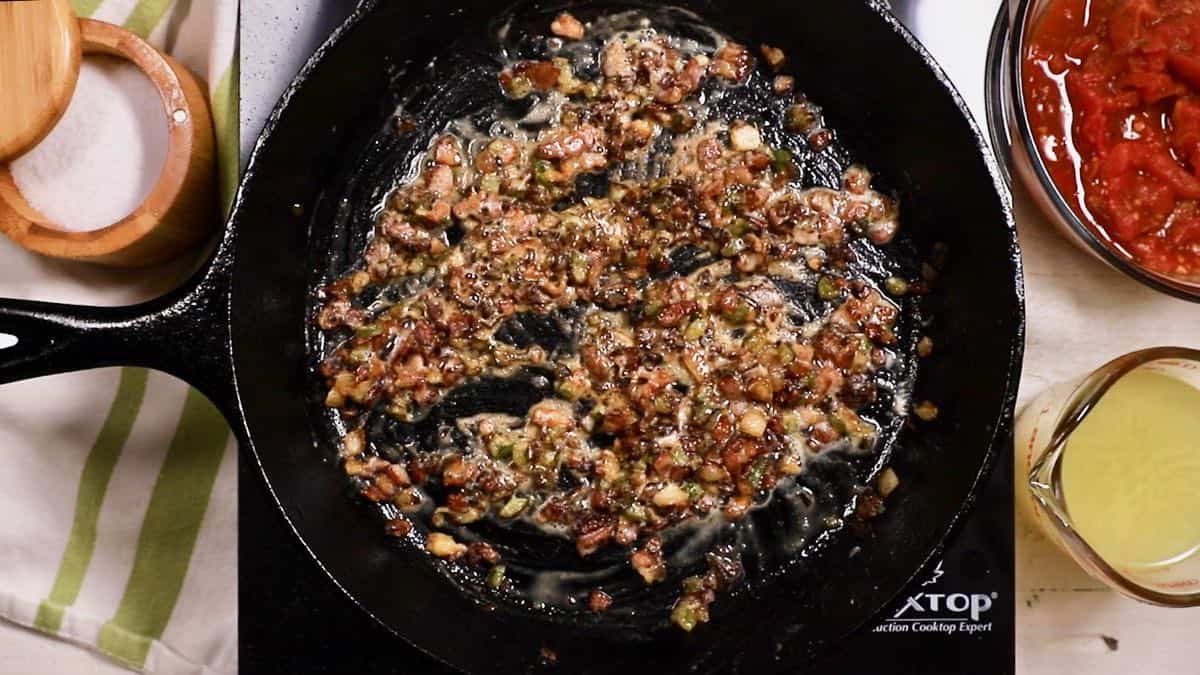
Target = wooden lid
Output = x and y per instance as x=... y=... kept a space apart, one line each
x=39 y=64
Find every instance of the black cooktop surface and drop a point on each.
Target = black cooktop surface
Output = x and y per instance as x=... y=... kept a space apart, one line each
x=958 y=620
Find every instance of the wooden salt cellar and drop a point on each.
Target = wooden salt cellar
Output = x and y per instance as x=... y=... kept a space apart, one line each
x=39 y=65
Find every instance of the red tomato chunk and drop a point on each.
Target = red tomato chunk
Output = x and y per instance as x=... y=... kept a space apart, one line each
x=1113 y=95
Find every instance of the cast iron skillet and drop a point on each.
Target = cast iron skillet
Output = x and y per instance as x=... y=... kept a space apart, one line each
x=237 y=331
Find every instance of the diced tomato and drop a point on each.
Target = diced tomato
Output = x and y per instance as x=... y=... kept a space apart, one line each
x=1187 y=68
x=1152 y=87
x=1137 y=204
x=1132 y=74
x=1127 y=24
x=1184 y=232
x=1185 y=129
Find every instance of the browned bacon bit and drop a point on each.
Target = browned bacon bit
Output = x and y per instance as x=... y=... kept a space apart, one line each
x=724 y=569
x=567 y=26
x=599 y=601
x=868 y=506
x=732 y=62
x=542 y=74
x=594 y=533
x=648 y=562
x=398 y=527
x=774 y=56
x=800 y=119
x=528 y=76
x=405 y=126
x=571 y=144
x=887 y=482
x=820 y=139
x=446 y=151
x=783 y=84
x=671 y=87
x=708 y=152
x=479 y=553
x=926 y=410
x=925 y=347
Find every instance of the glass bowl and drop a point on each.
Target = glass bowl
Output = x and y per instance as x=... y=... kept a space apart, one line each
x=1012 y=136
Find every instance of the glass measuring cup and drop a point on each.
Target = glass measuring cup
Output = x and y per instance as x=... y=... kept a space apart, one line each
x=1041 y=437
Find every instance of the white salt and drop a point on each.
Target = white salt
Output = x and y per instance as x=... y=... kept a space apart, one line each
x=104 y=155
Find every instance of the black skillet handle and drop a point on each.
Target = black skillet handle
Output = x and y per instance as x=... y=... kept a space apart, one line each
x=185 y=333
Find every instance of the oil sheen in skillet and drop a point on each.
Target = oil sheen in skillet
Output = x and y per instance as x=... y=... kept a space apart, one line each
x=613 y=335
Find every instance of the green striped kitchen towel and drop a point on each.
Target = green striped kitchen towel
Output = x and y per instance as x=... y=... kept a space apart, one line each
x=118 y=487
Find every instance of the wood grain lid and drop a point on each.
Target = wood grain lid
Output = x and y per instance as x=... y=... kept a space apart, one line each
x=39 y=64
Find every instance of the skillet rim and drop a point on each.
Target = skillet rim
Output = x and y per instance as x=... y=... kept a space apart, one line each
x=1001 y=424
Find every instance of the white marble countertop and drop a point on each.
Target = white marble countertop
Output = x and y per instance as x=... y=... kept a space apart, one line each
x=1081 y=314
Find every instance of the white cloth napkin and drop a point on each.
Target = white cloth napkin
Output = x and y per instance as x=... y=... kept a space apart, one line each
x=118 y=487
